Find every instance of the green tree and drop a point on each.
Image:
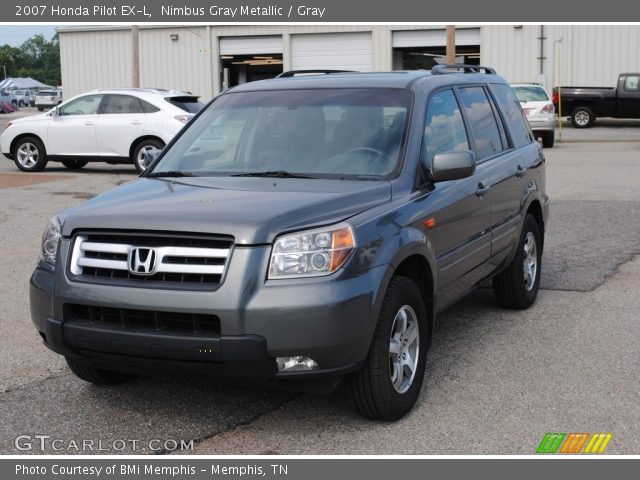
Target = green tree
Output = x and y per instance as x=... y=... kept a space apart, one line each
x=37 y=58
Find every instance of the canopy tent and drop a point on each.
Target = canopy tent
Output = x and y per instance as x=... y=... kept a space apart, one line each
x=21 y=83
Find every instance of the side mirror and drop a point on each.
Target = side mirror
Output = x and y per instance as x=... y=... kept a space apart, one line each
x=453 y=165
x=149 y=156
x=55 y=112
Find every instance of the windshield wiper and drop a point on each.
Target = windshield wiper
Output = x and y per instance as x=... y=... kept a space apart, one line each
x=170 y=173
x=272 y=173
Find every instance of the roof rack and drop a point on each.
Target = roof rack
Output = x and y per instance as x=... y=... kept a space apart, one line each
x=456 y=67
x=293 y=73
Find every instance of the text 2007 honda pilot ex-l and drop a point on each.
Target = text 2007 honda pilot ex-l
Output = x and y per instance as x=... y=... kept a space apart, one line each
x=302 y=230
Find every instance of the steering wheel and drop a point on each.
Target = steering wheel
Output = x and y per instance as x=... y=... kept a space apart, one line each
x=372 y=150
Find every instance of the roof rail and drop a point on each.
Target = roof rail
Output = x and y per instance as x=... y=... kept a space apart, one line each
x=293 y=73
x=456 y=67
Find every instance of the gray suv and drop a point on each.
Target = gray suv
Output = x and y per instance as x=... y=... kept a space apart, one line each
x=300 y=231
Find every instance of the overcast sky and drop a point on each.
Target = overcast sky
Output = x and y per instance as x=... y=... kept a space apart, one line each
x=14 y=35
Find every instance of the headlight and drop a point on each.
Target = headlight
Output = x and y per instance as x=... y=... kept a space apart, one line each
x=50 y=241
x=312 y=253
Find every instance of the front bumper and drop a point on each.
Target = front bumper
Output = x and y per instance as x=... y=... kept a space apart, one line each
x=329 y=319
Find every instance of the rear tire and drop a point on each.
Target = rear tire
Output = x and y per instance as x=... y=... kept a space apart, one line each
x=548 y=139
x=74 y=164
x=29 y=154
x=137 y=157
x=582 y=117
x=517 y=286
x=90 y=373
x=389 y=383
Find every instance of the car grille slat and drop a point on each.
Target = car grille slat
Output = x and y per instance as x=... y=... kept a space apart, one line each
x=179 y=262
x=151 y=320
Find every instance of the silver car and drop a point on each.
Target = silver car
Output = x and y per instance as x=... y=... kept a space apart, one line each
x=539 y=110
x=25 y=98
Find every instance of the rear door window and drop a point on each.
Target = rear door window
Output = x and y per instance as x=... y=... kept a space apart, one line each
x=119 y=104
x=482 y=122
x=513 y=115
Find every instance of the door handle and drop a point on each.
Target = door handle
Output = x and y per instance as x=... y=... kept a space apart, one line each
x=136 y=122
x=520 y=171
x=89 y=123
x=482 y=189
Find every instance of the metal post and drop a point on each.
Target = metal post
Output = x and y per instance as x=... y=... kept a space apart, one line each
x=556 y=74
x=451 y=44
x=135 y=57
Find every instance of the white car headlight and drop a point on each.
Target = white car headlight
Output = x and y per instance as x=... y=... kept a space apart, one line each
x=50 y=241
x=311 y=253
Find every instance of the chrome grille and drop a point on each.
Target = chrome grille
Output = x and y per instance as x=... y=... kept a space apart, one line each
x=181 y=262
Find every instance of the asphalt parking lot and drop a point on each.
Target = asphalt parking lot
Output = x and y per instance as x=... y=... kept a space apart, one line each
x=496 y=380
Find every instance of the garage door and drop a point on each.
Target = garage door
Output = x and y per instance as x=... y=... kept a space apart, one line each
x=434 y=38
x=340 y=51
x=250 y=45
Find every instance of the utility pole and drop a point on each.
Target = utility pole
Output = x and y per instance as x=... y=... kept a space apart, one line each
x=451 y=44
x=135 y=57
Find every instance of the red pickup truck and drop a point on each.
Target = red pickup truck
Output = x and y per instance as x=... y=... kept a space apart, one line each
x=584 y=104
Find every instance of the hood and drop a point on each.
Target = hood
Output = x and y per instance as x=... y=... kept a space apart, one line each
x=253 y=210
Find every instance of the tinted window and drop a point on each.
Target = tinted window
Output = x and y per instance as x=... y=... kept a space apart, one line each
x=482 y=122
x=148 y=108
x=444 y=128
x=87 y=105
x=122 y=104
x=631 y=84
x=514 y=118
x=188 y=104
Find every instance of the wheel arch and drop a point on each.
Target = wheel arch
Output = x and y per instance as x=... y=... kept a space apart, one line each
x=139 y=140
x=24 y=135
x=418 y=264
x=535 y=209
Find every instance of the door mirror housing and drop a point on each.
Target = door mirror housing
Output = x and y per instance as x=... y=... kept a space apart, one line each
x=149 y=156
x=55 y=111
x=453 y=165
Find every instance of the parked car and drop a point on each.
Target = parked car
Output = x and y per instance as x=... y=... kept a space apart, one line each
x=9 y=98
x=302 y=230
x=25 y=98
x=539 y=110
x=47 y=99
x=114 y=126
x=584 y=104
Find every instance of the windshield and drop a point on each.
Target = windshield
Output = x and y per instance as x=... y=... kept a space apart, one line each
x=312 y=133
x=46 y=93
x=531 y=94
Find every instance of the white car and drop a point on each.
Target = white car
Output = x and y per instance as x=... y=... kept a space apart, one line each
x=113 y=126
x=539 y=110
x=48 y=99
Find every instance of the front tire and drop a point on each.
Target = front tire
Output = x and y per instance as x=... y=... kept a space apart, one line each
x=517 y=287
x=29 y=154
x=389 y=383
x=137 y=157
x=74 y=164
x=90 y=373
x=582 y=117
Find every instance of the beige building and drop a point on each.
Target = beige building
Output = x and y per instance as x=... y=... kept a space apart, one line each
x=206 y=59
